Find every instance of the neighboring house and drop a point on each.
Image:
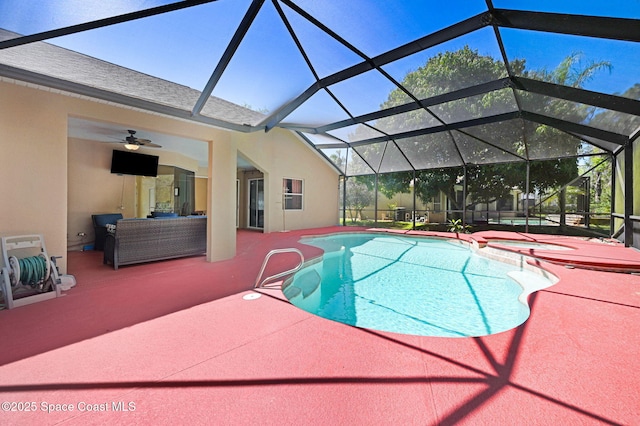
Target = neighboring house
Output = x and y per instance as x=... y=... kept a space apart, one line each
x=438 y=210
x=400 y=207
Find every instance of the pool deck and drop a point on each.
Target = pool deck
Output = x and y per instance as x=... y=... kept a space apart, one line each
x=588 y=253
x=178 y=341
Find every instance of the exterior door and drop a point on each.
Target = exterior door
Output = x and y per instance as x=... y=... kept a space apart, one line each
x=256 y=203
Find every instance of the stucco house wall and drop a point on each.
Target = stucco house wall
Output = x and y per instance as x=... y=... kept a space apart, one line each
x=52 y=184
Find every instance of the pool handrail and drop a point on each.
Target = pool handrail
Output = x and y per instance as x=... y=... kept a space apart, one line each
x=259 y=284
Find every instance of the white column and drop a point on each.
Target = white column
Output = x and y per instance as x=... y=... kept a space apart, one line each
x=221 y=203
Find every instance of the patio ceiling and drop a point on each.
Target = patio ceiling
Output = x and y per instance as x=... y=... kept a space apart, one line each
x=342 y=74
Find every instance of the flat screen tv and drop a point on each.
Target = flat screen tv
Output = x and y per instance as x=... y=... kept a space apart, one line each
x=133 y=163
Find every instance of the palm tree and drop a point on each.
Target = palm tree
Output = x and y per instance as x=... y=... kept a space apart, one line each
x=572 y=71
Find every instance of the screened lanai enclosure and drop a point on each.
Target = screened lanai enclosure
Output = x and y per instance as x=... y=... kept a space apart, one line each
x=510 y=112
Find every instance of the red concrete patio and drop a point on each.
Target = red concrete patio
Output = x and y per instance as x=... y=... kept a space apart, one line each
x=174 y=342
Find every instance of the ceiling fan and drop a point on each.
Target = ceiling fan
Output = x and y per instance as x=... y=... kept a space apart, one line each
x=133 y=143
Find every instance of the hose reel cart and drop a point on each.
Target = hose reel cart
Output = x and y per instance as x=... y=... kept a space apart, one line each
x=29 y=275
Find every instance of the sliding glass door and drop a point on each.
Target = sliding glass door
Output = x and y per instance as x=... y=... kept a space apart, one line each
x=256 y=203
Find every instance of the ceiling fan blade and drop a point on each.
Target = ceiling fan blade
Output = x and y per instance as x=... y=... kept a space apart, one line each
x=150 y=144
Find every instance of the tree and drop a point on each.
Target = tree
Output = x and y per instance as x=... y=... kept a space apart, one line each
x=572 y=71
x=358 y=198
x=617 y=122
x=338 y=160
x=506 y=149
x=600 y=183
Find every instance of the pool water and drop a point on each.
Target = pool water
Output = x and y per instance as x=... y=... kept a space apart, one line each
x=412 y=285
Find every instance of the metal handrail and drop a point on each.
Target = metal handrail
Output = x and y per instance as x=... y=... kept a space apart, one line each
x=259 y=284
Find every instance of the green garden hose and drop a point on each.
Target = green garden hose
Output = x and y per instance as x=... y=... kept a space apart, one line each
x=33 y=270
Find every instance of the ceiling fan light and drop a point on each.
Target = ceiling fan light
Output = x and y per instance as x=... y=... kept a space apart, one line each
x=131 y=146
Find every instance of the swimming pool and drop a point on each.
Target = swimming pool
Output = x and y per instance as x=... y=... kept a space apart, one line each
x=412 y=285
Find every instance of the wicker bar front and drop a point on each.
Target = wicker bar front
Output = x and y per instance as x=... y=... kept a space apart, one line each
x=147 y=240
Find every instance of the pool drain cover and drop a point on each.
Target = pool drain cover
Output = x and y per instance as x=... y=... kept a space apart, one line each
x=251 y=296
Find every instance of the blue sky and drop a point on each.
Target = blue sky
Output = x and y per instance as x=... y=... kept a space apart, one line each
x=185 y=46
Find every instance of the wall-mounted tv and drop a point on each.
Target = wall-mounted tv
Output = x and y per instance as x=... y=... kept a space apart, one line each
x=133 y=163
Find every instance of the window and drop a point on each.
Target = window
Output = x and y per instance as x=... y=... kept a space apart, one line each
x=436 y=203
x=292 y=194
x=505 y=203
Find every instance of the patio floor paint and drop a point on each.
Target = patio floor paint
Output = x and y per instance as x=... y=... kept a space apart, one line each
x=177 y=340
